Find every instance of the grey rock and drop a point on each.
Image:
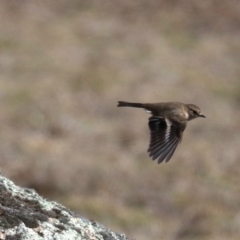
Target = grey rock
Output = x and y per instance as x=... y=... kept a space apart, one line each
x=26 y=215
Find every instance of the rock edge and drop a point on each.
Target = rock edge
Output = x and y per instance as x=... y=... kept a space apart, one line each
x=24 y=215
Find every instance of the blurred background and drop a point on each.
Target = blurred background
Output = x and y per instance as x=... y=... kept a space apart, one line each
x=63 y=67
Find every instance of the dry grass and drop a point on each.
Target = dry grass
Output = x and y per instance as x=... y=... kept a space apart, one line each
x=64 y=66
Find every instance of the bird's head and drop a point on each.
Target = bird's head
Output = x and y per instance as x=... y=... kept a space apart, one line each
x=194 y=111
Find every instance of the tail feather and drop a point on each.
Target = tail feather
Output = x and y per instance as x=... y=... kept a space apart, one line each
x=128 y=104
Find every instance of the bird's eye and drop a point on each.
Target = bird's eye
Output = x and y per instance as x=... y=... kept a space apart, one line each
x=193 y=112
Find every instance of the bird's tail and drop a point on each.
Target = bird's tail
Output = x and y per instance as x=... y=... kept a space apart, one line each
x=128 y=104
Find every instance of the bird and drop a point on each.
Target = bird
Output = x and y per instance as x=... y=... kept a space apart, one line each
x=167 y=124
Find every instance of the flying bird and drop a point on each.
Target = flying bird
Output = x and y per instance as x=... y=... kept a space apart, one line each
x=167 y=123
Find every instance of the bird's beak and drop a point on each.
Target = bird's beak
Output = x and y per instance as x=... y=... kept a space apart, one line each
x=201 y=115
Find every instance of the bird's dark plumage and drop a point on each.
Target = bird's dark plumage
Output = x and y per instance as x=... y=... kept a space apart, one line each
x=167 y=123
x=164 y=138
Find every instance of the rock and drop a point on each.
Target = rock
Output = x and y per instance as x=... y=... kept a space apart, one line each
x=24 y=215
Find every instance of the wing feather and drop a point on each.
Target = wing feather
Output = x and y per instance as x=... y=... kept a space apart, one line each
x=164 y=138
x=164 y=148
x=166 y=151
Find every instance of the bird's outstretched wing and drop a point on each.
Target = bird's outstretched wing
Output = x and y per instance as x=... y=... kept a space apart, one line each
x=165 y=137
